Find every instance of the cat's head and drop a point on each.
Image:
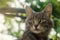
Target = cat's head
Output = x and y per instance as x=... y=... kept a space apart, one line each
x=39 y=22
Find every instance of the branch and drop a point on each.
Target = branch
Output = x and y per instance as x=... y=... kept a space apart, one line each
x=11 y=15
x=12 y=10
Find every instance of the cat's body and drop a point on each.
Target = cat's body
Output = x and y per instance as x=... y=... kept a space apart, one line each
x=38 y=24
x=31 y=36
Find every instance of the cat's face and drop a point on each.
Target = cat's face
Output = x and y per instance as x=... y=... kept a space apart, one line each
x=39 y=22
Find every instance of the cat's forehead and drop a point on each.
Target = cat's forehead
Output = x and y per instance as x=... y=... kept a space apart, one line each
x=37 y=15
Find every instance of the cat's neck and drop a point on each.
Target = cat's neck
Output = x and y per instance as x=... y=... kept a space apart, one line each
x=40 y=36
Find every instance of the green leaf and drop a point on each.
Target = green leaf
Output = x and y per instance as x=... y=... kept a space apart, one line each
x=57 y=25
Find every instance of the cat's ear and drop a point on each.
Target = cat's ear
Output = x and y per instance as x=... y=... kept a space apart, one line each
x=48 y=10
x=28 y=10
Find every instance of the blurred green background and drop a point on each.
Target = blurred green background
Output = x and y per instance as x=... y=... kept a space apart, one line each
x=12 y=16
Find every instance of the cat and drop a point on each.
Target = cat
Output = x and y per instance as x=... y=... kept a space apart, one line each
x=38 y=24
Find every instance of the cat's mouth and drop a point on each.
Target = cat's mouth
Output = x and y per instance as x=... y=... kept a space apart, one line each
x=37 y=30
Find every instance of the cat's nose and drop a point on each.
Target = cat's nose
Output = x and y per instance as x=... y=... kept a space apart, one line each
x=36 y=26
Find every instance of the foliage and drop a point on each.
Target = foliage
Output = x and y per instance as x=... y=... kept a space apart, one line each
x=3 y=3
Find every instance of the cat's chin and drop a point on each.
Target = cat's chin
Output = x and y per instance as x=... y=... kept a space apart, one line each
x=36 y=32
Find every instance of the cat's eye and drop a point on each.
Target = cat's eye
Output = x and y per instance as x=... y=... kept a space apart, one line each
x=30 y=23
x=42 y=21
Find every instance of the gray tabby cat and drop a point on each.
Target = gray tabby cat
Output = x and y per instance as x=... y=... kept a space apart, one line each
x=38 y=24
